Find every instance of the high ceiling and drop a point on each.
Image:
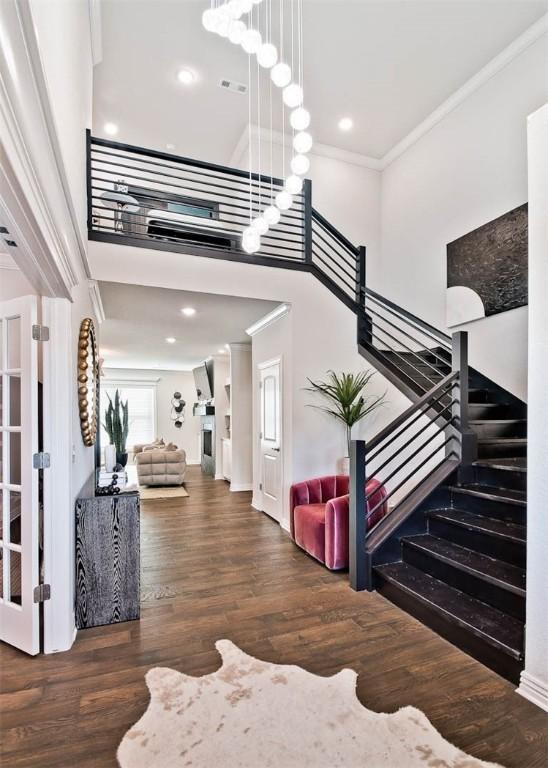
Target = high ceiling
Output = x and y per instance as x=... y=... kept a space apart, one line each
x=139 y=319
x=387 y=64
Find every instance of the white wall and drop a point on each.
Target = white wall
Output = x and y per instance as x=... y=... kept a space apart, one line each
x=63 y=30
x=13 y=283
x=168 y=382
x=221 y=374
x=467 y=170
x=242 y=417
x=534 y=679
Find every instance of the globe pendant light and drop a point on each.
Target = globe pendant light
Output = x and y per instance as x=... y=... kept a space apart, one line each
x=223 y=23
x=209 y=20
x=246 y=5
x=251 y=41
x=236 y=32
x=284 y=200
x=251 y=241
x=260 y=225
x=267 y=55
x=300 y=119
x=281 y=74
x=293 y=95
x=302 y=142
x=234 y=8
x=272 y=215
x=300 y=165
x=293 y=184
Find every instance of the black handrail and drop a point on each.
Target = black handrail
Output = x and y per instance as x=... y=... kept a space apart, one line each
x=400 y=312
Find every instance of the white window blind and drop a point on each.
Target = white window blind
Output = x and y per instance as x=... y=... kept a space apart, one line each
x=141 y=408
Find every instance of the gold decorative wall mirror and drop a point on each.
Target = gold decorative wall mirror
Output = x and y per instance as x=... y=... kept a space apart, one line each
x=88 y=381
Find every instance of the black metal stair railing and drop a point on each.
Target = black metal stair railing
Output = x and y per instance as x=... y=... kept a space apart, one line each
x=409 y=458
x=152 y=199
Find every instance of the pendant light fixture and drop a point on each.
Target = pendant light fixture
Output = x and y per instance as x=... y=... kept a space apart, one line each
x=248 y=23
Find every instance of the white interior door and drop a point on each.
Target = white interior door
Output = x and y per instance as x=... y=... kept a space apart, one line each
x=19 y=615
x=271 y=438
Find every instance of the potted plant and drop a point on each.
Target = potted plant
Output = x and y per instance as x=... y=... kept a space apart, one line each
x=116 y=425
x=346 y=400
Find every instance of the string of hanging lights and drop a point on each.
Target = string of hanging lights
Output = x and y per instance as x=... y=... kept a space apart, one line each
x=226 y=20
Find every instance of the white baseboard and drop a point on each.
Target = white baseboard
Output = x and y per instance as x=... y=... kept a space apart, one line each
x=283 y=524
x=219 y=476
x=256 y=504
x=241 y=487
x=534 y=690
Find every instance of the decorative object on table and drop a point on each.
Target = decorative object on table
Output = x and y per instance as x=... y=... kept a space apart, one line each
x=487 y=269
x=257 y=713
x=108 y=490
x=347 y=399
x=110 y=457
x=116 y=426
x=105 y=478
x=88 y=381
x=107 y=560
x=177 y=410
x=120 y=202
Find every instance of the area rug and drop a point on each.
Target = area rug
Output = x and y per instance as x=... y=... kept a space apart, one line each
x=162 y=493
x=253 y=714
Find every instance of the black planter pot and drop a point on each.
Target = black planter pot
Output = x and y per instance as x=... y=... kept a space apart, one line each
x=121 y=458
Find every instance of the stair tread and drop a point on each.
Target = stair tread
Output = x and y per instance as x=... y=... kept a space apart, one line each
x=497 y=421
x=493 y=626
x=507 y=495
x=496 y=571
x=480 y=523
x=506 y=440
x=514 y=464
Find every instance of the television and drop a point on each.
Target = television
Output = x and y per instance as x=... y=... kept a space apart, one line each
x=203 y=380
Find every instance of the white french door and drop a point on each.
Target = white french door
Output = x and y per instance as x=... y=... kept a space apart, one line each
x=271 y=438
x=19 y=531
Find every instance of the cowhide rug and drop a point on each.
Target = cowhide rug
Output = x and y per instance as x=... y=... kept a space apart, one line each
x=253 y=714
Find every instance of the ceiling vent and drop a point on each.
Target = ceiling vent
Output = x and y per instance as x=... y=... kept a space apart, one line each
x=232 y=85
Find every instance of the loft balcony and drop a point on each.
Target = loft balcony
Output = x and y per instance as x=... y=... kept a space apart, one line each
x=150 y=199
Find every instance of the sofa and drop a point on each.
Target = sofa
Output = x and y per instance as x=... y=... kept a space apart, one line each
x=319 y=512
x=159 y=464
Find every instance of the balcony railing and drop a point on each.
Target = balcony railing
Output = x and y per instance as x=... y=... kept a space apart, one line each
x=152 y=199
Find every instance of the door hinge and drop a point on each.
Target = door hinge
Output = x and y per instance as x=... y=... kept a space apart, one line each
x=42 y=593
x=40 y=460
x=260 y=486
x=40 y=333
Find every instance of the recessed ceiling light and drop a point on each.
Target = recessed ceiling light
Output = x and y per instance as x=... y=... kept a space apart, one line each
x=188 y=311
x=186 y=76
x=222 y=351
x=227 y=346
x=346 y=124
x=171 y=340
x=170 y=146
x=110 y=128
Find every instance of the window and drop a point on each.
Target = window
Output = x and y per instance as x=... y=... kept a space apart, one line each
x=141 y=399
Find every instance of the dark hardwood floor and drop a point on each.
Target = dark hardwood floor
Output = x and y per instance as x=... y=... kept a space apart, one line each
x=211 y=568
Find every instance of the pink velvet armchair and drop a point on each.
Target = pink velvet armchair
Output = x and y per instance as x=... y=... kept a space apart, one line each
x=319 y=516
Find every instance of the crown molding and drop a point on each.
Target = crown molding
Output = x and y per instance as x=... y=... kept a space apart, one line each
x=96 y=300
x=272 y=317
x=492 y=68
x=38 y=194
x=6 y=262
x=96 y=35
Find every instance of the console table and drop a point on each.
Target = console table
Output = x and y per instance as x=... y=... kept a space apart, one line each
x=107 y=560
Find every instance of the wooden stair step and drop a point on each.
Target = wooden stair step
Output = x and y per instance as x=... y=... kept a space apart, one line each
x=489 y=634
x=492 y=581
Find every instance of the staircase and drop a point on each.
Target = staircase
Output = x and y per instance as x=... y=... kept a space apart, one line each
x=452 y=549
x=464 y=575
